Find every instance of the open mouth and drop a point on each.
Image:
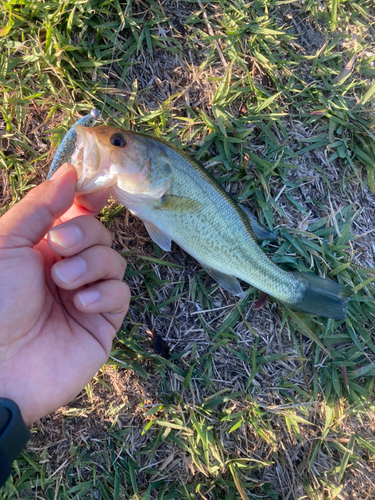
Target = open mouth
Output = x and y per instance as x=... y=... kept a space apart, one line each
x=91 y=163
x=77 y=156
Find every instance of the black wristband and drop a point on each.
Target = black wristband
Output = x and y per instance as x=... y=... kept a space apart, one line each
x=13 y=436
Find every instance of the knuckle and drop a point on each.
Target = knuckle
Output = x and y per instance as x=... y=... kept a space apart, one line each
x=108 y=235
x=105 y=262
x=92 y=225
x=117 y=263
x=104 y=256
x=123 y=296
x=103 y=234
x=108 y=262
x=122 y=265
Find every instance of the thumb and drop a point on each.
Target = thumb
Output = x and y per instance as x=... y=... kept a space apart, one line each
x=26 y=223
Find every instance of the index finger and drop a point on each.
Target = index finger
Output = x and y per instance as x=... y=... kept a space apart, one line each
x=89 y=204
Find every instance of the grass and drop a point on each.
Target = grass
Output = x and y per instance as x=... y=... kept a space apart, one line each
x=277 y=100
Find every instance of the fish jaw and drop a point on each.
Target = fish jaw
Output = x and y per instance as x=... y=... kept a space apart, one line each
x=92 y=162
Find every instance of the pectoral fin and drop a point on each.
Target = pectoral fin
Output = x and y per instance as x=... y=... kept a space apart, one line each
x=178 y=204
x=158 y=236
x=259 y=231
x=226 y=281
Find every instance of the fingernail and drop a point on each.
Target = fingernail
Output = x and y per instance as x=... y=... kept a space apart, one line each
x=66 y=236
x=88 y=297
x=70 y=270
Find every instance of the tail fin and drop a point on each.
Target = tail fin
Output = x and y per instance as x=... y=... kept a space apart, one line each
x=322 y=297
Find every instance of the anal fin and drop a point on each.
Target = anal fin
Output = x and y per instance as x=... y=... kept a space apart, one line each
x=158 y=236
x=226 y=281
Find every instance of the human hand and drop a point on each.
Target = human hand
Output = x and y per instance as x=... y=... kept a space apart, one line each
x=61 y=295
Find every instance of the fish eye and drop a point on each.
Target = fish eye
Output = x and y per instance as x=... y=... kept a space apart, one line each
x=118 y=140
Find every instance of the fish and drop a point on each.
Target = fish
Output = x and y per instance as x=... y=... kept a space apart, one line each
x=65 y=150
x=179 y=200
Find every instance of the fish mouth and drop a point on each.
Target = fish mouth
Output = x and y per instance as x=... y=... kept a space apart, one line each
x=91 y=162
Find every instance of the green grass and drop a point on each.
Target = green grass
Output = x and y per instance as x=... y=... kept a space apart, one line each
x=277 y=101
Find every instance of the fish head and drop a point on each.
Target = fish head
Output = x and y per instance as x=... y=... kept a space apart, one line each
x=108 y=156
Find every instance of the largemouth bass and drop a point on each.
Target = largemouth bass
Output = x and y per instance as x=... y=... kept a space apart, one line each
x=178 y=200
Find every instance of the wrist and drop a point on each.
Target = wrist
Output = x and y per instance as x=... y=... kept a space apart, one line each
x=16 y=402
x=13 y=436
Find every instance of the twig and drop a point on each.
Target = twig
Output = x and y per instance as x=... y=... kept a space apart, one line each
x=211 y=33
